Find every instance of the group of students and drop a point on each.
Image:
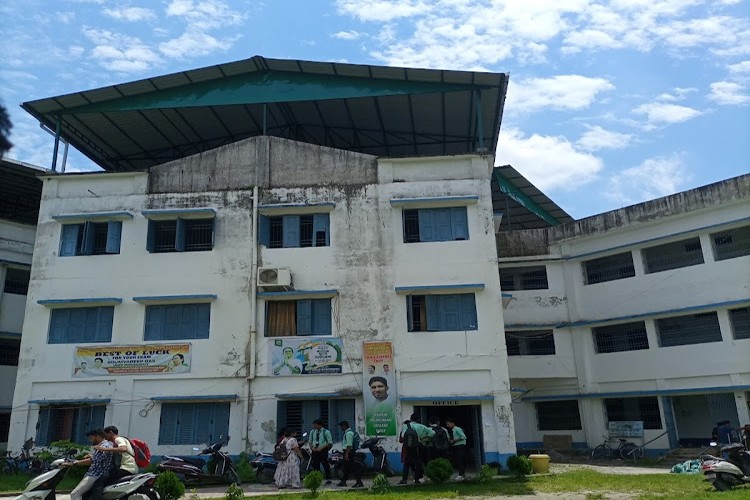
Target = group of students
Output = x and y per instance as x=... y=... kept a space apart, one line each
x=422 y=443
x=112 y=458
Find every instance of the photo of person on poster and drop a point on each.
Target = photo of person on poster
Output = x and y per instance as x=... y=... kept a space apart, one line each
x=381 y=412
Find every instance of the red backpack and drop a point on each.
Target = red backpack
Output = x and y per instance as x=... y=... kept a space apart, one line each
x=141 y=452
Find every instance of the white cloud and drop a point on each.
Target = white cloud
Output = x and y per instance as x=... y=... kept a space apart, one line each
x=130 y=13
x=382 y=10
x=549 y=162
x=596 y=138
x=119 y=52
x=654 y=178
x=193 y=42
x=678 y=94
x=728 y=93
x=570 y=92
x=659 y=113
x=347 y=35
x=740 y=68
x=65 y=17
x=205 y=14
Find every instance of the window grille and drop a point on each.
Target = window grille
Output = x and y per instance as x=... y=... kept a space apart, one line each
x=530 y=343
x=691 y=329
x=435 y=224
x=17 y=281
x=673 y=255
x=165 y=234
x=199 y=235
x=295 y=231
x=9 y=352
x=645 y=409
x=524 y=278
x=732 y=243
x=610 y=268
x=740 y=319
x=558 y=416
x=300 y=414
x=622 y=337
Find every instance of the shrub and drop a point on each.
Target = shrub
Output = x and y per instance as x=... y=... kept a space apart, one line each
x=520 y=466
x=313 y=481
x=486 y=473
x=168 y=486
x=245 y=470
x=234 y=492
x=439 y=470
x=380 y=485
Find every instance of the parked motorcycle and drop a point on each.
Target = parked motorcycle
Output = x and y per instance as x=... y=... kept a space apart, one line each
x=265 y=465
x=43 y=487
x=380 y=463
x=191 y=469
x=722 y=473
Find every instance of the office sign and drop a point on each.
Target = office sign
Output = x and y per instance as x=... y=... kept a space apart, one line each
x=101 y=361
x=626 y=428
x=380 y=394
x=295 y=357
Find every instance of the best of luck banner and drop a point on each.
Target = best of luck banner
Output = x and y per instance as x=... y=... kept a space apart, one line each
x=102 y=361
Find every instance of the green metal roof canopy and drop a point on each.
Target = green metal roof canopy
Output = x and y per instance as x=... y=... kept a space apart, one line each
x=378 y=110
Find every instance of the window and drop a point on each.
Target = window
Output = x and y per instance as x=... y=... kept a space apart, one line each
x=691 y=329
x=644 y=409
x=523 y=278
x=558 y=416
x=622 y=337
x=177 y=322
x=299 y=415
x=17 y=281
x=70 y=422
x=91 y=238
x=441 y=313
x=673 y=255
x=180 y=235
x=435 y=224
x=81 y=324
x=9 y=352
x=530 y=343
x=740 y=319
x=295 y=231
x=610 y=268
x=286 y=318
x=4 y=427
x=732 y=243
x=193 y=423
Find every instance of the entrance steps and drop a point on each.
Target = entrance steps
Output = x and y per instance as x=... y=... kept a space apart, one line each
x=685 y=454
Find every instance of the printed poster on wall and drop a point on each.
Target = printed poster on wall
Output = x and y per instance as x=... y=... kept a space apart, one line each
x=380 y=389
x=131 y=360
x=293 y=357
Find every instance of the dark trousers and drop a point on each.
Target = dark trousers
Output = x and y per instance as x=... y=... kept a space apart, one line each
x=351 y=467
x=433 y=454
x=321 y=458
x=458 y=455
x=413 y=461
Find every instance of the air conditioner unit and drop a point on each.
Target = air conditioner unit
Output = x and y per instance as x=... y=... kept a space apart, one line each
x=275 y=277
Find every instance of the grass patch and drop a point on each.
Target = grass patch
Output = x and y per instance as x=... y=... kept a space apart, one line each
x=17 y=482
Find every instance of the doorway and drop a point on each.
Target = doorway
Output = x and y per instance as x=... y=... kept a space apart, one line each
x=467 y=417
x=696 y=415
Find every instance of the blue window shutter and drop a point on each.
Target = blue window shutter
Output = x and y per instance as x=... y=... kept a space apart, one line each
x=97 y=416
x=345 y=411
x=58 y=325
x=172 y=315
x=104 y=324
x=321 y=222
x=460 y=223
x=304 y=317
x=87 y=245
x=186 y=424
x=150 y=236
x=409 y=315
x=291 y=231
x=76 y=330
x=220 y=421
x=442 y=224
x=43 y=436
x=154 y=323
x=80 y=424
x=468 y=308
x=188 y=321
x=450 y=313
x=434 y=323
x=204 y=416
x=264 y=231
x=69 y=239
x=179 y=239
x=168 y=424
x=281 y=412
x=321 y=315
x=203 y=321
x=427 y=225
x=310 y=411
x=114 y=236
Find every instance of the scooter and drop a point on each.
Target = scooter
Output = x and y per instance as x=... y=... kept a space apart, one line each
x=265 y=465
x=43 y=487
x=191 y=469
x=336 y=460
x=722 y=473
x=380 y=463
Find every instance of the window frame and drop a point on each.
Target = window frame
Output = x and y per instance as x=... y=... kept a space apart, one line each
x=215 y=412
x=10 y=351
x=620 y=338
x=331 y=414
x=692 y=321
x=81 y=423
x=82 y=238
x=199 y=308
x=743 y=332
x=516 y=274
x=430 y=226
x=17 y=286
x=743 y=232
x=648 y=423
x=182 y=227
x=318 y=310
x=625 y=275
x=547 y=422
x=525 y=337
x=286 y=231
x=655 y=261
x=437 y=307
x=101 y=321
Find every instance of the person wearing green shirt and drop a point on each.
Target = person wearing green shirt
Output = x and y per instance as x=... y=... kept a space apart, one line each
x=320 y=442
x=458 y=447
x=349 y=464
x=412 y=457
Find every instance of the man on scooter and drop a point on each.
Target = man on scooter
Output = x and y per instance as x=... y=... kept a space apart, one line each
x=100 y=464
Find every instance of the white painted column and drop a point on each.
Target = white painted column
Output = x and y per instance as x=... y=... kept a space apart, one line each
x=743 y=410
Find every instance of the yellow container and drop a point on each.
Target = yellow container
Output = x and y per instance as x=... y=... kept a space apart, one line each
x=540 y=463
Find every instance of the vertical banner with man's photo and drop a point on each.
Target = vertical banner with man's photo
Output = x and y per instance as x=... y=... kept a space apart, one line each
x=380 y=393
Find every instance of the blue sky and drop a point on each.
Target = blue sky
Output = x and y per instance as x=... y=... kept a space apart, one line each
x=609 y=104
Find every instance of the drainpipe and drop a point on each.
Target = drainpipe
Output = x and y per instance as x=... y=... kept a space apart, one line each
x=253 y=320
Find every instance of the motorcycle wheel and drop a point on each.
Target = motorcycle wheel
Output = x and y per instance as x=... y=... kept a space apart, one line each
x=721 y=485
x=265 y=476
x=150 y=494
x=231 y=476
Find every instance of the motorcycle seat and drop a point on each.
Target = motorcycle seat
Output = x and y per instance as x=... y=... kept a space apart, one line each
x=732 y=447
x=195 y=461
x=125 y=479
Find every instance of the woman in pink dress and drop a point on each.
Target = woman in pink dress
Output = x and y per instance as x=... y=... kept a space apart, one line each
x=287 y=471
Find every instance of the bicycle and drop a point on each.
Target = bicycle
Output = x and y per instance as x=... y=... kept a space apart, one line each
x=20 y=463
x=625 y=450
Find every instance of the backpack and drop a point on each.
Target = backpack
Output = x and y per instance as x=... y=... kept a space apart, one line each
x=411 y=438
x=279 y=451
x=141 y=452
x=355 y=440
x=440 y=440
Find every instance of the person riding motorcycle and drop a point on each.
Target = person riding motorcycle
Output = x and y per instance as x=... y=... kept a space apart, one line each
x=100 y=465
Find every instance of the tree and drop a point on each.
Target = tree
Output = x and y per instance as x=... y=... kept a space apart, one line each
x=5 y=127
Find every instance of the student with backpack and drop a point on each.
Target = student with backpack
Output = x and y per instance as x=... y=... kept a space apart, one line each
x=125 y=455
x=458 y=447
x=412 y=435
x=439 y=445
x=350 y=446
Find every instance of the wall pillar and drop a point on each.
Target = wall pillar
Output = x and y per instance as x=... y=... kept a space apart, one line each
x=743 y=411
